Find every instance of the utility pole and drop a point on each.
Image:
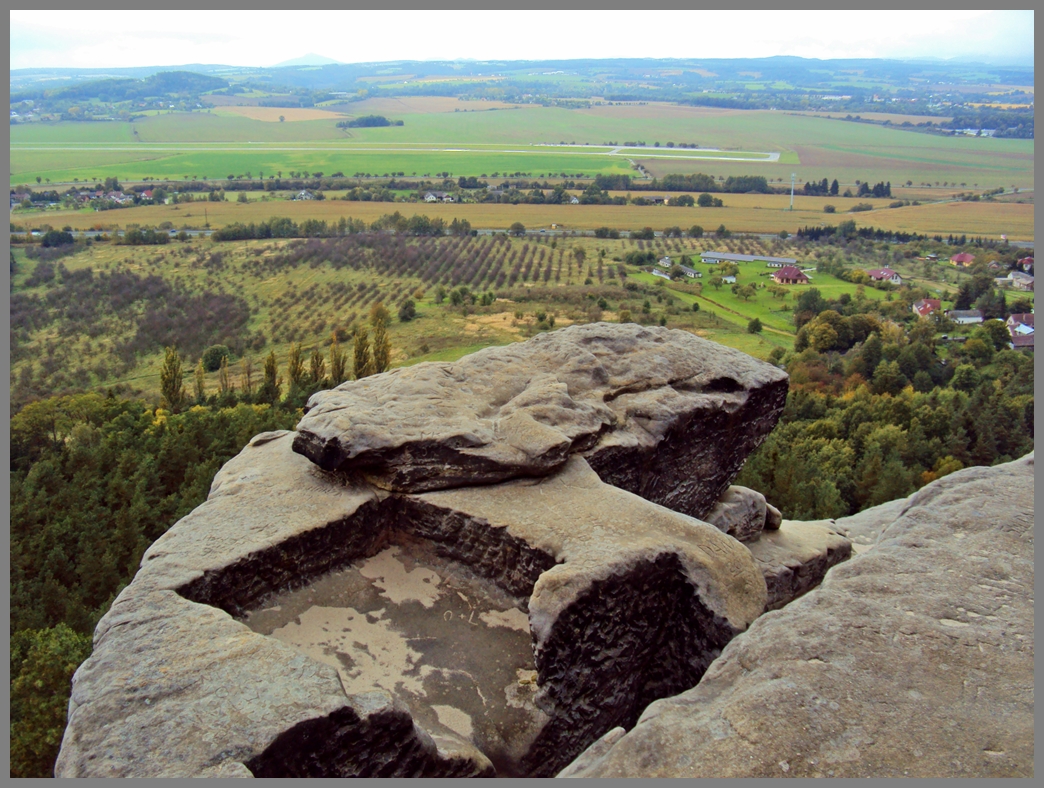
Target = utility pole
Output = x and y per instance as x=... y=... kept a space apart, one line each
x=792 y=176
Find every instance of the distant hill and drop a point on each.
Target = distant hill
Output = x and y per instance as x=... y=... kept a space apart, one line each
x=311 y=59
x=165 y=83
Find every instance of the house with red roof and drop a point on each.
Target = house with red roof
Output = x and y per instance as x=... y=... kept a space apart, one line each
x=885 y=275
x=962 y=259
x=926 y=306
x=1025 y=263
x=790 y=275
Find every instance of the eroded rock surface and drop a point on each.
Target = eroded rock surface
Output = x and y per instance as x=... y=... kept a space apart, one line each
x=640 y=596
x=178 y=688
x=796 y=557
x=742 y=513
x=623 y=600
x=914 y=658
x=657 y=412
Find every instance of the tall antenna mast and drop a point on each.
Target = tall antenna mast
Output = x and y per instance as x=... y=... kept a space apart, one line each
x=792 y=176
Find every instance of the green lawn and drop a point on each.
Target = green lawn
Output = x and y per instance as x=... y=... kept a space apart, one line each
x=764 y=306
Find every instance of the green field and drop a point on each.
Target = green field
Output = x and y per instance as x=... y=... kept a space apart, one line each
x=508 y=140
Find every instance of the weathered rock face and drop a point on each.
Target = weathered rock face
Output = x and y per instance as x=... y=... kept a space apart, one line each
x=626 y=601
x=177 y=687
x=795 y=558
x=642 y=597
x=742 y=513
x=657 y=412
x=473 y=574
x=914 y=658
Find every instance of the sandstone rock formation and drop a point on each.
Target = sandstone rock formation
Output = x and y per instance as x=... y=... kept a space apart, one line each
x=914 y=658
x=176 y=686
x=795 y=558
x=743 y=513
x=660 y=413
x=490 y=495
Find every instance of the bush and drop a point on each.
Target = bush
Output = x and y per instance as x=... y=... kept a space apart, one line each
x=754 y=326
x=861 y=207
x=407 y=311
x=57 y=238
x=695 y=231
x=695 y=306
x=517 y=229
x=829 y=209
x=212 y=357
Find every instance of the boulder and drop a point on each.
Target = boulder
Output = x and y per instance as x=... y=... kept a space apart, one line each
x=795 y=558
x=740 y=512
x=912 y=659
x=661 y=413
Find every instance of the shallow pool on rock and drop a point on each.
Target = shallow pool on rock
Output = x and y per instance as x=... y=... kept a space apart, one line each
x=452 y=645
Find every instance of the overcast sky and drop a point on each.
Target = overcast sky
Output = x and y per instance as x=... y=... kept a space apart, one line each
x=108 y=39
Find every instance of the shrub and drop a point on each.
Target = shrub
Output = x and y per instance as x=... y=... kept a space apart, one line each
x=861 y=207
x=407 y=311
x=754 y=326
x=212 y=357
x=829 y=209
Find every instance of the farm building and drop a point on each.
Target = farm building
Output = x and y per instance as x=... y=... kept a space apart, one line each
x=926 y=306
x=729 y=280
x=729 y=257
x=1021 y=323
x=660 y=274
x=1021 y=281
x=691 y=272
x=790 y=275
x=885 y=275
x=438 y=197
x=962 y=259
x=304 y=195
x=1022 y=341
x=965 y=317
x=1026 y=264
x=664 y=261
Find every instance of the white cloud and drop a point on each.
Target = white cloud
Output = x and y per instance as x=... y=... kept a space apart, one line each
x=109 y=39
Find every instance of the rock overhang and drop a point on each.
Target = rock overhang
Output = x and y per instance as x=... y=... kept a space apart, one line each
x=647 y=407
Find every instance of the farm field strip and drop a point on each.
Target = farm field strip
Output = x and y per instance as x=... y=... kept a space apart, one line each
x=991 y=219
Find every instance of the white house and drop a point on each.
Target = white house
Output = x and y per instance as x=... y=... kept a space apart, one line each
x=690 y=272
x=1021 y=281
x=885 y=275
x=664 y=261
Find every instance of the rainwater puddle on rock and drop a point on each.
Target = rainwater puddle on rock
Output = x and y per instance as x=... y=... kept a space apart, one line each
x=451 y=644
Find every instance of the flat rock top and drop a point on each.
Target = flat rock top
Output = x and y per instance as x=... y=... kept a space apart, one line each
x=594 y=529
x=914 y=659
x=263 y=496
x=522 y=409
